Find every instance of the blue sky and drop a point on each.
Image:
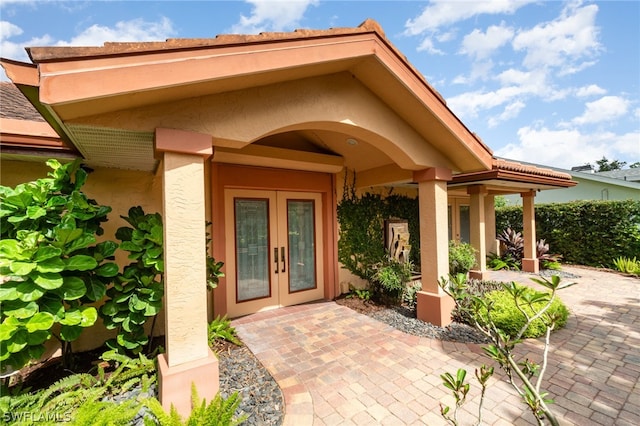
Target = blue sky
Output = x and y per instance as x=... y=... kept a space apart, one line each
x=548 y=82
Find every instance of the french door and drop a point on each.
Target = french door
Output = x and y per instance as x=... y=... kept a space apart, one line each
x=274 y=249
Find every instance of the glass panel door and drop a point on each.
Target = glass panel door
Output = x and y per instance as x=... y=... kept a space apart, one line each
x=274 y=249
x=252 y=248
x=301 y=236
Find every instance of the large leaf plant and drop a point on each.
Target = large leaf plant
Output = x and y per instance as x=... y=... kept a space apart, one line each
x=52 y=269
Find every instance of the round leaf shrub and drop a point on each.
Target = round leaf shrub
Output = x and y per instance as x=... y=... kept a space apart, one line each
x=509 y=319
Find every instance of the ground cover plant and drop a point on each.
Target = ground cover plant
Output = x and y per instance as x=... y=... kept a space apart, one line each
x=524 y=375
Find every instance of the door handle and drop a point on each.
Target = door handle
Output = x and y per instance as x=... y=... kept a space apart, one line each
x=284 y=263
x=275 y=259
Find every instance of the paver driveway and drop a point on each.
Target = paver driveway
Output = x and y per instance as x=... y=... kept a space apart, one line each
x=338 y=367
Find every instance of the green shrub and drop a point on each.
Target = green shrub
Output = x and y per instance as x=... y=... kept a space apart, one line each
x=390 y=279
x=584 y=232
x=473 y=288
x=627 y=266
x=510 y=320
x=462 y=257
x=137 y=293
x=53 y=269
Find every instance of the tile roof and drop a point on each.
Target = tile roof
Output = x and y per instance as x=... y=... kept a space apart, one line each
x=14 y=105
x=512 y=166
x=43 y=54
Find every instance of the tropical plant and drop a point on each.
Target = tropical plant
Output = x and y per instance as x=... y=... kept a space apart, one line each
x=627 y=265
x=52 y=268
x=462 y=257
x=524 y=376
x=497 y=263
x=137 y=293
x=220 y=328
x=512 y=244
x=547 y=260
x=390 y=279
x=219 y=412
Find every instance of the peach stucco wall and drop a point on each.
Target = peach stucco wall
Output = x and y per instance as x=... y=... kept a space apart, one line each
x=120 y=189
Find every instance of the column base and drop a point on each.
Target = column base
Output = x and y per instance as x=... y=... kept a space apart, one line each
x=479 y=275
x=434 y=308
x=531 y=265
x=175 y=382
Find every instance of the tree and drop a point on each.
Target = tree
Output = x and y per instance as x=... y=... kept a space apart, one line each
x=605 y=165
x=635 y=165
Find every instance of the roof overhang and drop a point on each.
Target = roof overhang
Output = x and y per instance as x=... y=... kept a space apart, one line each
x=77 y=83
x=508 y=177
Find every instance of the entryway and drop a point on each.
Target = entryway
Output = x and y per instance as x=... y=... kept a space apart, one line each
x=275 y=250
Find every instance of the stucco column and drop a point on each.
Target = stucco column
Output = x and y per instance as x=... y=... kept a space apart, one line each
x=433 y=305
x=530 y=260
x=478 y=229
x=490 y=224
x=188 y=358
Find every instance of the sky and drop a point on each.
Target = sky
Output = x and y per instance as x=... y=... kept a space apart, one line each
x=555 y=83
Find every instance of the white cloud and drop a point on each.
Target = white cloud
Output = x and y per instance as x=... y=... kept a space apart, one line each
x=479 y=71
x=563 y=42
x=510 y=111
x=559 y=148
x=15 y=50
x=604 y=109
x=133 y=30
x=427 y=46
x=515 y=85
x=272 y=15
x=7 y=29
x=480 y=45
x=628 y=144
x=570 y=147
x=446 y=12
x=591 y=90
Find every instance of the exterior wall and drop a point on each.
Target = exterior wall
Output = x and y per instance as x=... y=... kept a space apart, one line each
x=119 y=189
x=585 y=190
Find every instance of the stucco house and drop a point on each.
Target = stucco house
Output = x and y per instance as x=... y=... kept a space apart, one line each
x=612 y=185
x=255 y=134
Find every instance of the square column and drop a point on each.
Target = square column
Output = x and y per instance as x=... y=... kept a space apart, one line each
x=433 y=305
x=188 y=358
x=530 y=259
x=478 y=229
x=491 y=242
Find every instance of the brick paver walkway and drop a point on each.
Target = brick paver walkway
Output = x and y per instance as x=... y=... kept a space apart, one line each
x=338 y=367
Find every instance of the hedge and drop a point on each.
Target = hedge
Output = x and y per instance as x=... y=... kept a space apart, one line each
x=590 y=233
